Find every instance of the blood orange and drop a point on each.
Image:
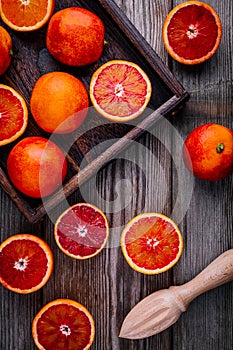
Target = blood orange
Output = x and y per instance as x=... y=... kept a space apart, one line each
x=120 y=90
x=208 y=152
x=5 y=50
x=36 y=166
x=192 y=32
x=26 y=15
x=151 y=243
x=26 y=263
x=81 y=231
x=63 y=324
x=75 y=36
x=13 y=115
x=59 y=102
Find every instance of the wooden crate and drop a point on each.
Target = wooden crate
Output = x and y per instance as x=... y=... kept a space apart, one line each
x=31 y=59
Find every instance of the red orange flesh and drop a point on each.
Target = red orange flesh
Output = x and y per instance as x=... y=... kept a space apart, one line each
x=151 y=243
x=63 y=324
x=82 y=231
x=13 y=115
x=120 y=90
x=26 y=15
x=192 y=32
x=26 y=263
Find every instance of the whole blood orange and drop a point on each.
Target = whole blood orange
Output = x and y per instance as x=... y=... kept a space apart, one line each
x=120 y=90
x=26 y=15
x=5 y=50
x=208 y=152
x=82 y=231
x=63 y=324
x=192 y=32
x=36 y=166
x=13 y=115
x=59 y=102
x=26 y=263
x=75 y=36
x=151 y=243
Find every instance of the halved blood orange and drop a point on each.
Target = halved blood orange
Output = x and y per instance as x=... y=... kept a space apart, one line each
x=26 y=15
x=120 y=90
x=63 y=324
x=151 y=243
x=192 y=32
x=26 y=263
x=13 y=115
x=81 y=231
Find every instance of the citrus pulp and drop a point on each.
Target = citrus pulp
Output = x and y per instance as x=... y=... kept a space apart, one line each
x=81 y=231
x=26 y=15
x=120 y=90
x=26 y=263
x=63 y=324
x=13 y=115
x=151 y=243
x=192 y=32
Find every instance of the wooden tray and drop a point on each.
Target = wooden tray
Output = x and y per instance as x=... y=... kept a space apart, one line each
x=31 y=60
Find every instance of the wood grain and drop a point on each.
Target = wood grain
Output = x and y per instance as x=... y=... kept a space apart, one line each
x=145 y=177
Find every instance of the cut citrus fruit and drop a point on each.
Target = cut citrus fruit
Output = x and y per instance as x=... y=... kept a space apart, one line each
x=192 y=32
x=63 y=324
x=13 y=115
x=26 y=15
x=151 y=243
x=120 y=90
x=26 y=263
x=81 y=231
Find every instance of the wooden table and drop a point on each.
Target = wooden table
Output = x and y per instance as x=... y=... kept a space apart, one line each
x=139 y=181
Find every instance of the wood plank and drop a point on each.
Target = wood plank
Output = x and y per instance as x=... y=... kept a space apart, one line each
x=207 y=226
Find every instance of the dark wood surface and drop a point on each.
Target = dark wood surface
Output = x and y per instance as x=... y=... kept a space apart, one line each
x=148 y=176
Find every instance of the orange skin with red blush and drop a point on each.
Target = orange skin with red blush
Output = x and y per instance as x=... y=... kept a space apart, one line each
x=208 y=152
x=36 y=166
x=5 y=50
x=75 y=36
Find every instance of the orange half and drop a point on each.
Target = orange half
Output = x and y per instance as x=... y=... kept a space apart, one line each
x=81 y=231
x=63 y=324
x=26 y=263
x=192 y=32
x=26 y=15
x=120 y=90
x=151 y=243
x=13 y=115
